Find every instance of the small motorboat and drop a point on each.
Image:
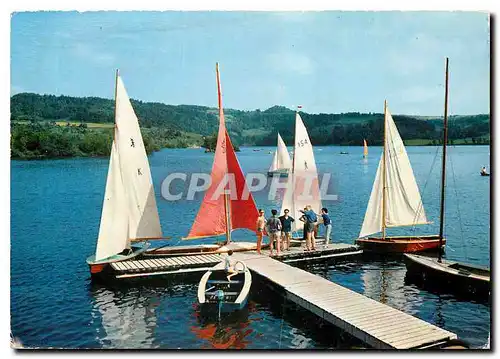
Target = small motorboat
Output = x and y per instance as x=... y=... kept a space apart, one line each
x=484 y=173
x=218 y=295
x=344 y=153
x=461 y=277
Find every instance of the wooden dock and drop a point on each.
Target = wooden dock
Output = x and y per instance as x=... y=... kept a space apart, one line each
x=200 y=262
x=374 y=323
x=333 y=250
x=165 y=266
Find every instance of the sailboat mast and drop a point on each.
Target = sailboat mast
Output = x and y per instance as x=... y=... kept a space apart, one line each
x=227 y=211
x=384 y=170
x=116 y=94
x=443 y=174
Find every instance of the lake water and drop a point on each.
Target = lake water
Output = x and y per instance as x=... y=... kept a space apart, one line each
x=55 y=213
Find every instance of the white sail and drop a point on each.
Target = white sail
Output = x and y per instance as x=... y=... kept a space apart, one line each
x=274 y=163
x=304 y=177
x=144 y=221
x=281 y=158
x=403 y=202
x=113 y=232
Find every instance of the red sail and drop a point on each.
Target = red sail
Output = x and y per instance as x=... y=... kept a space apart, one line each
x=243 y=210
x=211 y=218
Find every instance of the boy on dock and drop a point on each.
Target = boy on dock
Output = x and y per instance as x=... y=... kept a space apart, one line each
x=286 y=227
x=261 y=222
x=328 y=225
x=228 y=267
x=274 y=231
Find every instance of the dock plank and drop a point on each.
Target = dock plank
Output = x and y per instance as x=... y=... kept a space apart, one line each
x=119 y=266
x=132 y=265
x=139 y=265
x=162 y=262
x=176 y=261
x=150 y=263
x=157 y=262
x=193 y=260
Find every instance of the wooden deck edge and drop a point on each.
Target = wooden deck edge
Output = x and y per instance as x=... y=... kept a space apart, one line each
x=149 y=274
x=333 y=255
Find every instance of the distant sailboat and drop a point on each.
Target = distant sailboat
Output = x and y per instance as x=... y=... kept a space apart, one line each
x=129 y=211
x=395 y=200
x=303 y=183
x=221 y=214
x=281 y=163
x=365 y=149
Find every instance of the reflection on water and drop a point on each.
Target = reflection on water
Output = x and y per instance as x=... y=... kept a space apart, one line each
x=127 y=318
x=386 y=284
x=230 y=332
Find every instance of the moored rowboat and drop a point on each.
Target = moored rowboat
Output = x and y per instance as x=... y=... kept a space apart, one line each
x=217 y=294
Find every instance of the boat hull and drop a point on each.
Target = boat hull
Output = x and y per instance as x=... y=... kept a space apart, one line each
x=202 y=249
x=278 y=173
x=213 y=308
x=484 y=174
x=451 y=276
x=410 y=244
x=99 y=267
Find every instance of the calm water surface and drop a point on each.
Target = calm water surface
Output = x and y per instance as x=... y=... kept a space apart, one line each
x=55 y=213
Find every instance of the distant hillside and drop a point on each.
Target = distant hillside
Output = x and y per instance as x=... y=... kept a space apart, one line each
x=250 y=127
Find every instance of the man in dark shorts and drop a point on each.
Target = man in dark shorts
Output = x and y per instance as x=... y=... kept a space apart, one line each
x=309 y=223
x=273 y=227
x=286 y=229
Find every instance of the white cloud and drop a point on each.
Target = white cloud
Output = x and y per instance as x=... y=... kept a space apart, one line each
x=292 y=62
x=93 y=55
x=421 y=94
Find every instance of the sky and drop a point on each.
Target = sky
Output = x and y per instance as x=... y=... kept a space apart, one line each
x=327 y=61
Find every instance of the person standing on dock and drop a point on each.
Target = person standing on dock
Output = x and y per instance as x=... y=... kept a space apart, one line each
x=274 y=230
x=286 y=228
x=261 y=222
x=310 y=219
x=328 y=225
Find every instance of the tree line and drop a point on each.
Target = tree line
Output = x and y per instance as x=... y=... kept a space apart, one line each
x=41 y=140
x=185 y=125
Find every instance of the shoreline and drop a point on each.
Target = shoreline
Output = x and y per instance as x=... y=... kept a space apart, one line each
x=43 y=158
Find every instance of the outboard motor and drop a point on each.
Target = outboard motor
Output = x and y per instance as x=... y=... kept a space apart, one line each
x=219 y=295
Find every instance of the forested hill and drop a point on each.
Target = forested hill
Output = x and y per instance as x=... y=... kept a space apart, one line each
x=251 y=127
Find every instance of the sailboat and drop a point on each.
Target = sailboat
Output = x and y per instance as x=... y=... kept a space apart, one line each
x=129 y=212
x=281 y=163
x=365 y=149
x=220 y=214
x=303 y=183
x=395 y=200
x=463 y=277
